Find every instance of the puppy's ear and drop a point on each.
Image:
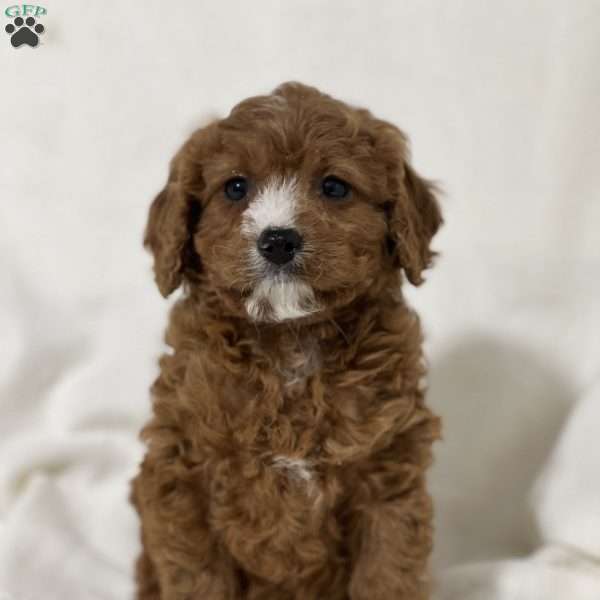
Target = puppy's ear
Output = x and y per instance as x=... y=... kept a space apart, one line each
x=173 y=218
x=411 y=207
x=414 y=220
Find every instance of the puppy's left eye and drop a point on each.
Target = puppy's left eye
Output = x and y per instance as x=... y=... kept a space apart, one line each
x=333 y=187
x=236 y=188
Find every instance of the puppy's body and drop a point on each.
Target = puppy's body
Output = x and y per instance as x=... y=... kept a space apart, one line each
x=288 y=447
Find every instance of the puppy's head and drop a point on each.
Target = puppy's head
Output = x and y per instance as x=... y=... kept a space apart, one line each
x=293 y=205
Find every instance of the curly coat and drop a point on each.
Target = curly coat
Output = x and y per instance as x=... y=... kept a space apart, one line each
x=286 y=459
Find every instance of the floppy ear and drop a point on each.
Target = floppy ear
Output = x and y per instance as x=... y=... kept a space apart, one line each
x=172 y=221
x=411 y=207
x=414 y=218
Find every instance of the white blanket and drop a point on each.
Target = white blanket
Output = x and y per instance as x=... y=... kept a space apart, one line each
x=501 y=101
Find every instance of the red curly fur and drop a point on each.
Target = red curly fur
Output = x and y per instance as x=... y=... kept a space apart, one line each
x=286 y=460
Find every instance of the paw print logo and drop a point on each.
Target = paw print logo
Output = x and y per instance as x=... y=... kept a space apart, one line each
x=24 y=32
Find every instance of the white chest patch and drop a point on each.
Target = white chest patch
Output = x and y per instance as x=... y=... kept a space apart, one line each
x=296 y=468
x=301 y=471
x=300 y=364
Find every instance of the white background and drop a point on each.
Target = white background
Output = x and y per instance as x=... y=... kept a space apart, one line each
x=501 y=101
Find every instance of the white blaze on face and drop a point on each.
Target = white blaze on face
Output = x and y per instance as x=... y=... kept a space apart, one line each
x=278 y=296
x=274 y=206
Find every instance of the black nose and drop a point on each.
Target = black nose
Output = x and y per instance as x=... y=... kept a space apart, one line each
x=279 y=245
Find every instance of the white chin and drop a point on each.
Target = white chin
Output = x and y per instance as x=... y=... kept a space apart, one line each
x=278 y=299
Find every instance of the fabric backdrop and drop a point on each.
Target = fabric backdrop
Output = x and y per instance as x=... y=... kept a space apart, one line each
x=501 y=103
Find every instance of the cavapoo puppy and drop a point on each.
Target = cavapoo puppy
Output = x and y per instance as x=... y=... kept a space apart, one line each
x=289 y=442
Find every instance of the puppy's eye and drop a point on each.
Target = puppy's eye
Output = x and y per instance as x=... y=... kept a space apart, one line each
x=334 y=188
x=236 y=188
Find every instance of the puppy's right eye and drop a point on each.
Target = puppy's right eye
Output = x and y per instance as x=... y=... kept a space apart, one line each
x=236 y=188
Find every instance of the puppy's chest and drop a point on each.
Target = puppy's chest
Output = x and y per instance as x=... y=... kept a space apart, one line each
x=297 y=413
x=288 y=417
x=295 y=364
x=295 y=420
x=288 y=439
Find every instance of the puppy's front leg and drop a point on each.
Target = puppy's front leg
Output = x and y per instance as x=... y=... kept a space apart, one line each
x=187 y=562
x=392 y=519
x=395 y=544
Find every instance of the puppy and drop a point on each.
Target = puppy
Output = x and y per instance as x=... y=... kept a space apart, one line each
x=287 y=452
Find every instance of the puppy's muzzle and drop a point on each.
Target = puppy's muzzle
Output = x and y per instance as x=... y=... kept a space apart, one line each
x=279 y=246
